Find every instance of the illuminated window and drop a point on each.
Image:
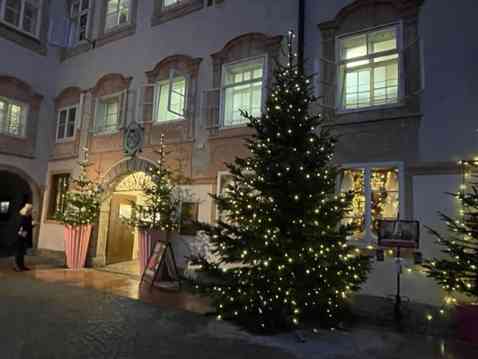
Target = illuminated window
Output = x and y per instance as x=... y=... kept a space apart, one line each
x=58 y=188
x=117 y=13
x=108 y=114
x=242 y=87
x=66 y=124
x=12 y=117
x=369 y=69
x=4 y=207
x=170 y=99
x=376 y=195
x=24 y=15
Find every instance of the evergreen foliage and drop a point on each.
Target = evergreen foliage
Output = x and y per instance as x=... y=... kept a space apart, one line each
x=281 y=250
x=82 y=200
x=159 y=210
x=457 y=272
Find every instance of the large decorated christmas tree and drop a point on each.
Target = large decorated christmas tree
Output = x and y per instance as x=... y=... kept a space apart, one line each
x=281 y=249
x=457 y=271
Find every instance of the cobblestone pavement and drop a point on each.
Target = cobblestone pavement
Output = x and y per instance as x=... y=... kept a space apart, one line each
x=52 y=313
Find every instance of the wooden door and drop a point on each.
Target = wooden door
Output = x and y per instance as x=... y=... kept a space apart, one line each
x=120 y=236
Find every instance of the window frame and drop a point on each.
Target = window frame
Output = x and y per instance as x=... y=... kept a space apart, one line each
x=368 y=167
x=65 y=138
x=76 y=20
x=339 y=96
x=53 y=192
x=116 y=27
x=99 y=100
x=157 y=98
x=223 y=87
x=24 y=117
x=19 y=28
x=219 y=183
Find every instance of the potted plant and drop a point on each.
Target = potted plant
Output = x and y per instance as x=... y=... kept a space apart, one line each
x=82 y=203
x=457 y=272
x=157 y=216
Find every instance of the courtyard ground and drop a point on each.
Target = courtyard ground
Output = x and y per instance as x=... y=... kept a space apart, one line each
x=51 y=312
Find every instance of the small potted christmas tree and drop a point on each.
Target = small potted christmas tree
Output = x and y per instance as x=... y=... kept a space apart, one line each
x=457 y=272
x=82 y=203
x=156 y=216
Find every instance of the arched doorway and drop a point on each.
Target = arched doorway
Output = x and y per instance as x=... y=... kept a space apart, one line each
x=116 y=244
x=14 y=193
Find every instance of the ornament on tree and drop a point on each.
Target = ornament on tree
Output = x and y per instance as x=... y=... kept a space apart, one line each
x=280 y=243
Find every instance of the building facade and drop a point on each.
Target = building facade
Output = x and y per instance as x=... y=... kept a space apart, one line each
x=395 y=78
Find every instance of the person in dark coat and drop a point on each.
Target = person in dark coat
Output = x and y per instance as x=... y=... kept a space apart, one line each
x=24 y=237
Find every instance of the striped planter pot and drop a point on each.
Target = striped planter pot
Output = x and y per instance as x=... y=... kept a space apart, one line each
x=147 y=239
x=77 y=239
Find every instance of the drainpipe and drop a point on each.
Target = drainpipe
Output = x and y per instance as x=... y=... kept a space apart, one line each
x=301 y=33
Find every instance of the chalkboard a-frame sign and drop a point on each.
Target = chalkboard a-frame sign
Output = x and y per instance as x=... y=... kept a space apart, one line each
x=161 y=270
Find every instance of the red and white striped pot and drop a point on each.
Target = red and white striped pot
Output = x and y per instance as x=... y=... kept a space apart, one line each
x=77 y=239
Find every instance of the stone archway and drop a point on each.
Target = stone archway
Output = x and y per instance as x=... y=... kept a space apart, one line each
x=19 y=188
x=109 y=181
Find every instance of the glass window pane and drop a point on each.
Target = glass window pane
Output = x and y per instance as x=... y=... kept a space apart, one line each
x=169 y=2
x=384 y=40
x=14 y=120
x=353 y=181
x=111 y=20
x=385 y=195
x=61 y=125
x=12 y=12
x=30 y=16
x=70 y=131
x=354 y=46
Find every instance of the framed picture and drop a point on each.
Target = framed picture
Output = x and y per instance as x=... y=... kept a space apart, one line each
x=403 y=234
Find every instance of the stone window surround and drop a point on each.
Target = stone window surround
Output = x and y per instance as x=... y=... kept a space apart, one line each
x=21 y=17
x=351 y=19
x=117 y=32
x=162 y=14
x=83 y=46
x=18 y=90
x=243 y=47
x=31 y=42
x=403 y=209
x=223 y=87
x=186 y=65
x=68 y=97
x=67 y=109
x=25 y=110
x=398 y=26
x=107 y=86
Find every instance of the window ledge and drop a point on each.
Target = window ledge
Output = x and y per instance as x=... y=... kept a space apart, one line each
x=371 y=108
x=65 y=140
x=75 y=51
x=117 y=33
x=21 y=38
x=163 y=15
x=104 y=134
x=168 y=123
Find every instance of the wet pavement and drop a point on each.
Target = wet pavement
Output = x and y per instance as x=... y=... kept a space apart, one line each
x=51 y=312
